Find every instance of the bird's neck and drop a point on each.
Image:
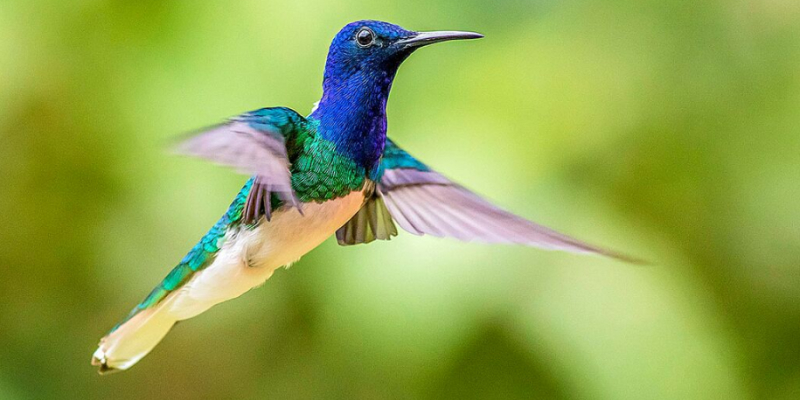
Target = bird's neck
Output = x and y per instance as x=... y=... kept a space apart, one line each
x=352 y=115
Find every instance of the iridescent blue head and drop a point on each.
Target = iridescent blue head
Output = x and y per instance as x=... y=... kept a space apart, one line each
x=362 y=62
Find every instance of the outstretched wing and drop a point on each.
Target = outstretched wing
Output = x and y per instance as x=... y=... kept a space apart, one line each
x=253 y=143
x=424 y=202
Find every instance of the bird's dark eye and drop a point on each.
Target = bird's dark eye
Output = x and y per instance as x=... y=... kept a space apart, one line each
x=365 y=37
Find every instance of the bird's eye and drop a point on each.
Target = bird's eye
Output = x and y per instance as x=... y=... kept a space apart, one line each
x=365 y=37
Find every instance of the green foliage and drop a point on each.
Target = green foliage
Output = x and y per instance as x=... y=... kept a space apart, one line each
x=667 y=129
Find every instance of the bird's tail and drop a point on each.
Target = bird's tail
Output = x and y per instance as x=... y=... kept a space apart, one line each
x=133 y=339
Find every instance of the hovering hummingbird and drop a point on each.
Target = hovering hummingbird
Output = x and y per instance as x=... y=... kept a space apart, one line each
x=334 y=171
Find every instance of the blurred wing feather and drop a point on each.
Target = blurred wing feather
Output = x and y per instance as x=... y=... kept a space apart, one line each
x=251 y=144
x=424 y=202
x=371 y=222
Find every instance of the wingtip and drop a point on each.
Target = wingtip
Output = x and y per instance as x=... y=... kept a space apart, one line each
x=626 y=258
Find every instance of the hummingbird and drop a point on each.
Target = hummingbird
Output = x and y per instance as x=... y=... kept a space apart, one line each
x=334 y=172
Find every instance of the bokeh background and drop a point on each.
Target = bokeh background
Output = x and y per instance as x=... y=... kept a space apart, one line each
x=669 y=129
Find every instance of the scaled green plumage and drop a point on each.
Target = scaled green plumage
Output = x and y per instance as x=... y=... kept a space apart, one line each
x=320 y=173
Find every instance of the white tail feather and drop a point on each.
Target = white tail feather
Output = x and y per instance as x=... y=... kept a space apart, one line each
x=132 y=340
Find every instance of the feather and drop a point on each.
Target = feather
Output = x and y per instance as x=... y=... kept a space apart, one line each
x=371 y=222
x=424 y=202
x=254 y=144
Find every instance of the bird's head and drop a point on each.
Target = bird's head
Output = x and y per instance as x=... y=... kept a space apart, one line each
x=362 y=62
x=375 y=49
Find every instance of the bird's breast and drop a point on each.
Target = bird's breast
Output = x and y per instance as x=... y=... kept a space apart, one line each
x=292 y=233
x=250 y=256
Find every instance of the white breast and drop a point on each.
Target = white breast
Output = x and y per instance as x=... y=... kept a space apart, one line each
x=249 y=257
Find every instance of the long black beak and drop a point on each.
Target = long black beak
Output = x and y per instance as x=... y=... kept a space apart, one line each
x=426 y=38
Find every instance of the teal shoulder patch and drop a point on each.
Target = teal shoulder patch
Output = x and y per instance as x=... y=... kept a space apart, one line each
x=395 y=157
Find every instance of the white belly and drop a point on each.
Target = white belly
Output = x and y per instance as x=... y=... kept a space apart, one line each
x=246 y=260
x=249 y=257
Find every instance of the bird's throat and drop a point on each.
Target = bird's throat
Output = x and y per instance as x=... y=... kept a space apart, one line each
x=352 y=115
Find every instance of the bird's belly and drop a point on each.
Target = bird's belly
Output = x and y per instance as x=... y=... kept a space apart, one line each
x=250 y=256
x=290 y=234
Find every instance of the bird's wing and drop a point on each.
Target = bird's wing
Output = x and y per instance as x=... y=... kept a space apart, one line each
x=253 y=143
x=372 y=222
x=424 y=202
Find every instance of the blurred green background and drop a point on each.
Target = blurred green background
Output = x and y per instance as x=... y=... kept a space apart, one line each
x=669 y=129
